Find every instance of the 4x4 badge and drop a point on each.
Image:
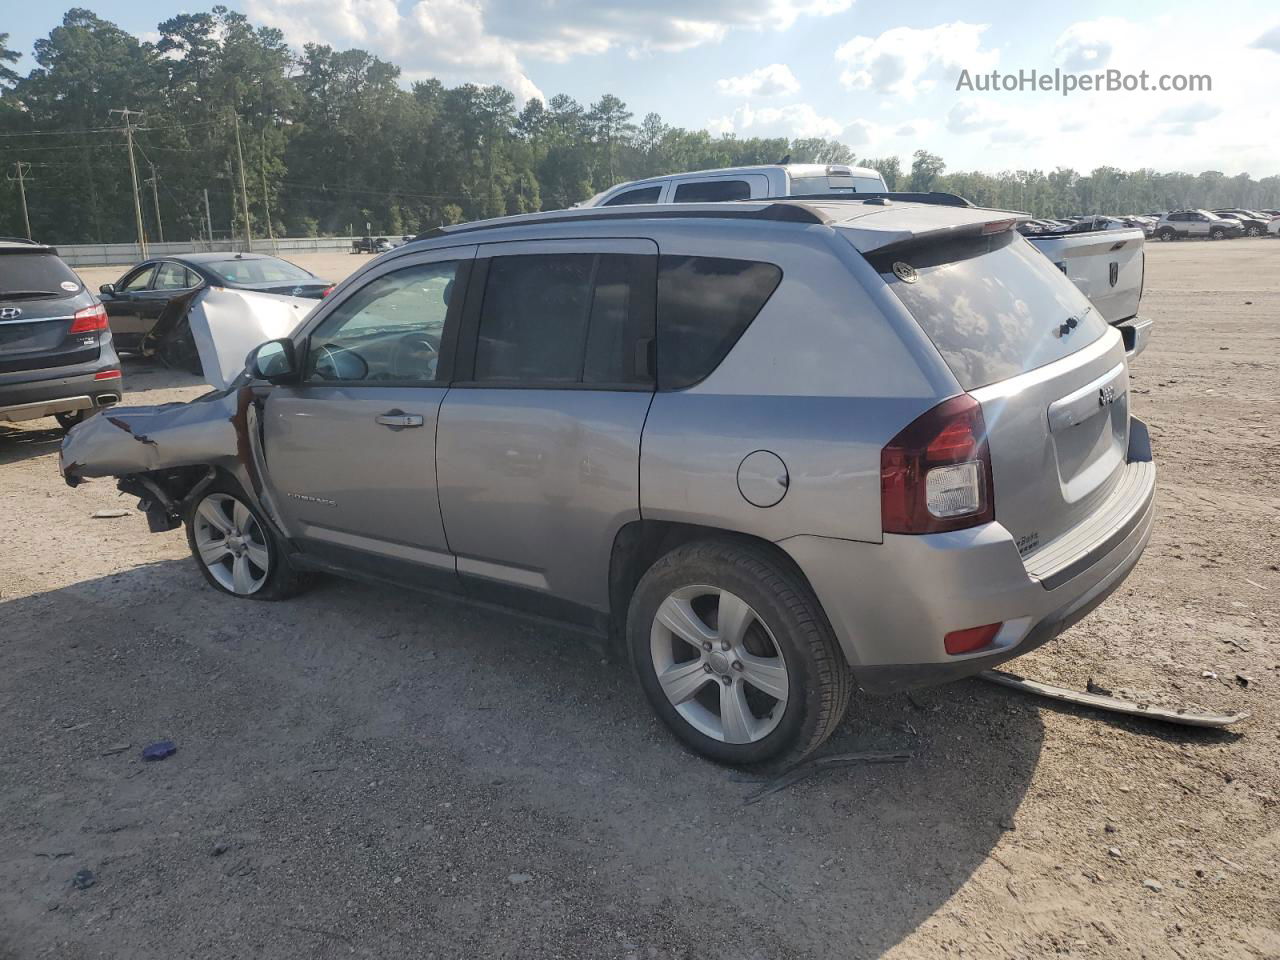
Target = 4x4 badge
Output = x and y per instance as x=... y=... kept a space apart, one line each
x=10 y=313
x=904 y=272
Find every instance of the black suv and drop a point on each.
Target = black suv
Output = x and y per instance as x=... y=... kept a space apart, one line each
x=56 y=357
x=1253 y=222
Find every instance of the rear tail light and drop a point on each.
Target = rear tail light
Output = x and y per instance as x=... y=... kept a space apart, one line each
x=107 y=375
x=89 y=320
x=936 y=474
x=326 y=291
x=971 y=639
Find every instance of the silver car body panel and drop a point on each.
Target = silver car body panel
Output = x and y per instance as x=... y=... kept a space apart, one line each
x=226 y=324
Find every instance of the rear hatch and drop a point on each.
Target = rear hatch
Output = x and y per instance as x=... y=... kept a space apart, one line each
x=1048 y=370
x=39 y=295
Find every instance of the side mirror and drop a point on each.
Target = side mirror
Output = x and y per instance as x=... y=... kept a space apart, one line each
x=108 y=289
x=274 y=361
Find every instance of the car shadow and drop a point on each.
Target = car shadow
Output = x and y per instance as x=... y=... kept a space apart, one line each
x=27 y=439
x=358 y=732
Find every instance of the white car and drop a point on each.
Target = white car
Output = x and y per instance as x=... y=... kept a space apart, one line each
x=1273 y=227
x=744 y=183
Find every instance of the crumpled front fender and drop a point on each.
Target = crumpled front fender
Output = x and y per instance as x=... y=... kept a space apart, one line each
x=129 y=440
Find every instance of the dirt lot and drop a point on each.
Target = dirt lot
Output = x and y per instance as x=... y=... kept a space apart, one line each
x=362 y=772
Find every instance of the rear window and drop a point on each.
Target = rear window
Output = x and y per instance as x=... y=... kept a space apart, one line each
x=35 y=276
x=704 y=305
x=258 y=271
x=713 y=191
x=993 y=306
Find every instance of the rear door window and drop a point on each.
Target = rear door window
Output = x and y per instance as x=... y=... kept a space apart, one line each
x=704 y=305
x=994 y=306
x=172 y=276
x=140 y=280
x=713 y=191
x=578 y=318
x=641 y=195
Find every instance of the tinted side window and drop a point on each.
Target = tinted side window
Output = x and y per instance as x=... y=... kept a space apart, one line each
x=140 y=280
x=704 y=305
x=641 y=195
x=565 y=318
x=716 y=191
x=172 y=276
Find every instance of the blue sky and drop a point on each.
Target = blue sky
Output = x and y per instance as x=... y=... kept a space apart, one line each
x=880 y=76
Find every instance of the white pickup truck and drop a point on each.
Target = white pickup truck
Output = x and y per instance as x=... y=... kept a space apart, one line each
x=1107 y=265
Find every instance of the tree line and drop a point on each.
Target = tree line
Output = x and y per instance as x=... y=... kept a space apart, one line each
x=326 y=141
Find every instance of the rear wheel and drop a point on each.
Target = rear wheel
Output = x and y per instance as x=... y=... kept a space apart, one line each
x=1167 y=234
x=735 y=655
x=234 y=547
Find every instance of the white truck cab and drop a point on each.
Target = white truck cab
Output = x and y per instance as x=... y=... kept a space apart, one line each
x=744 y=183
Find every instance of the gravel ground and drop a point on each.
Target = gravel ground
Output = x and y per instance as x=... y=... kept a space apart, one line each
x=363 y=772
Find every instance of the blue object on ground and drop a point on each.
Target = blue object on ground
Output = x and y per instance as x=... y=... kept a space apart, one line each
x=159 y=750
x=83 y=880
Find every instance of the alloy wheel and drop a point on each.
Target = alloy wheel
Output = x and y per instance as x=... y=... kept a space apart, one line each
x=231 y=544
x=718 y=664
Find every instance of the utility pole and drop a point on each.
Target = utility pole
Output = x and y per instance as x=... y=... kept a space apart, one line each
x=155 y=196
x=127 y=116
x=271 y=235
x=20 y=172
x=208 y=217
x=244 y=193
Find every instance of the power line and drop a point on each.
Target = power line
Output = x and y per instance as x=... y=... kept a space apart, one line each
x=64 y=133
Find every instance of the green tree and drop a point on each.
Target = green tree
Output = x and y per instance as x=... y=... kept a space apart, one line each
x=926 y=167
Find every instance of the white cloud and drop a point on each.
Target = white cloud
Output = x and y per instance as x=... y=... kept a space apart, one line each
x=1269 y=40
x=444 y=37
x=1088 y=45
x=488 y=41
x=794 y=120
x=906 y=60
x=771 y=81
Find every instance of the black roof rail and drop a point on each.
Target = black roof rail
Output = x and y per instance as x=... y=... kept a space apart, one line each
x=788 y=212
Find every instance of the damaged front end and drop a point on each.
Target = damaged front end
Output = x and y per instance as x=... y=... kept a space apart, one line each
x=166 y=455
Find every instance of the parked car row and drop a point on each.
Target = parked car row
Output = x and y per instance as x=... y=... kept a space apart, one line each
x=1172 y=225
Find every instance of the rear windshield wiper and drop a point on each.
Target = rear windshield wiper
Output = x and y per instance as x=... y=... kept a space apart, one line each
x=29 y=294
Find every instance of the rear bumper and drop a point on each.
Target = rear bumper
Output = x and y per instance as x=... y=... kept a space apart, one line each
x=892 y=603
x=59 y=390
x=1137 y=334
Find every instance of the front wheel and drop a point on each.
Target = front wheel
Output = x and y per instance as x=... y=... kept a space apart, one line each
x=735 y=655
x=1254 y=232
x=234 y=548
x=1218 y=234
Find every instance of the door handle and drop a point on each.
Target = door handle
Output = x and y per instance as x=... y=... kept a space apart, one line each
x=398 y=419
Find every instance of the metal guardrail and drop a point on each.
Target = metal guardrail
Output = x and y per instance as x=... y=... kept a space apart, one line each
x=111 y=254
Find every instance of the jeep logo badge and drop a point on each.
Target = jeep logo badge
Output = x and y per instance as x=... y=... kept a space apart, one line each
x=10 y=313
x=1106 y=396
x=904 y=272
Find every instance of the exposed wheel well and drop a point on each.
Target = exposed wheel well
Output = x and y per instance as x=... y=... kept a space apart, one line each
x=641 y=543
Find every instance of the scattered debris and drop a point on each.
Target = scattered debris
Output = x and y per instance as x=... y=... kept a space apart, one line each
x=1209 y=675
x=519 y=878
x=109 y=514
x=1115 y=852
x=115 y=748
x=54 y=854
x=219 y=849
x=1112 y=704
x=1092 y=687
x=159 y=750
x=1243 y=680
x=810 y=767
x=83 y=880
x=1110 y=828
x=322 y=770
x=1153 y=885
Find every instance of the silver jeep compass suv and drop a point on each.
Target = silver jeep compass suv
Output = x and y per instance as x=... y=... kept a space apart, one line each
x=777 y=449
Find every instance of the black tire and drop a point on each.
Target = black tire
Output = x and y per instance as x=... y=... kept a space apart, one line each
x=280 y=580
x=1217 y=234
x=1253 y=232
x=819 y=682
x=69 y=419
x=1167 y=234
